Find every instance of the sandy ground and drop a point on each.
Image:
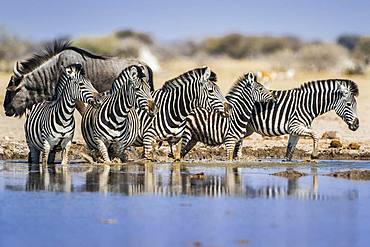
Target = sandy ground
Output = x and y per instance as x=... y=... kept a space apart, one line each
x=12 y=141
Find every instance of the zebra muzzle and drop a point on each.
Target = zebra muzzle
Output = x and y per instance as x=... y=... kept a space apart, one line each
x=153 y=109
x=97 y=99
x=273 y=96
x=228 y=108
x=354 y=125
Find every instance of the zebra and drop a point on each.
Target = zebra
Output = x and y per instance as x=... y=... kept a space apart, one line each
x=175 y=100
x=213 y=129
x=114 y=126
x=295 y=109
x=50 y=125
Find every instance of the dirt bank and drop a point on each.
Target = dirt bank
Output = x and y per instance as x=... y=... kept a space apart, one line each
x=11 y=149
x=352 y=174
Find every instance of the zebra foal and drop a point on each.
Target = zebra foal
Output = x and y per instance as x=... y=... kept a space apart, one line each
x=50 y=125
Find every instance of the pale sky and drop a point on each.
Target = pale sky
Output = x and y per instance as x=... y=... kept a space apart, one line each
x=176 y=20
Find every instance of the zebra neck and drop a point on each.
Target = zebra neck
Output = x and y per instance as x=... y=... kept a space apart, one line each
x=242 y=108
x=118 y=106
x=65 y=106
x=316 y=103
x=179 y=104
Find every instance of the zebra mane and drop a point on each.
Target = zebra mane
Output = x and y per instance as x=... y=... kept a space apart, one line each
x=239 y=83
x=183 y=78
x=353 y=88
x=50 y=50
x=351 y=85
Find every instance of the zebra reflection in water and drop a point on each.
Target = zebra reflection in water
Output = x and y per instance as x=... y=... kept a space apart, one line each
x=173 y=180
x=180 y=180
x=51 y=178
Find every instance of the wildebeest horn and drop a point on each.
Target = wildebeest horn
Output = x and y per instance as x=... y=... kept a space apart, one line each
x=16 y=70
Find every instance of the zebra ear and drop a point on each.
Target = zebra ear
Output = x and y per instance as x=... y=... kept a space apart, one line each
x=65 y=69
x=250 y=77
x=134 y=73
x=344 y=91
x=207 y=73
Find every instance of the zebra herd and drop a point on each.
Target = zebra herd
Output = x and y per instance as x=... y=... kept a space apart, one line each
x=185 y=110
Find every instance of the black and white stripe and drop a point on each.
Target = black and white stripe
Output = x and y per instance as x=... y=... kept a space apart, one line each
x=295 y=109
x=114 y=126
x=213 y=129
x=175 y=100
x=50 y=125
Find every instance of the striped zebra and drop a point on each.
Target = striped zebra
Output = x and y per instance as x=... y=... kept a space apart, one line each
x=175 y=100
x=114 y=126
x=50 y=125
x=295 y=109
x=211 y=128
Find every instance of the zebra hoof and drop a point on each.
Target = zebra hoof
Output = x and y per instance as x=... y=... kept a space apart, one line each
x=314 y=156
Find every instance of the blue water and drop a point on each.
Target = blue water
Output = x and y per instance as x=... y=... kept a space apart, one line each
x=175 y=205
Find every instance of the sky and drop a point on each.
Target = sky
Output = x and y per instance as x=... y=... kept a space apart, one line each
x=189 y=19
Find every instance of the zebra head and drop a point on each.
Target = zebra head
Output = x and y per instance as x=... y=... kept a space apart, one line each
x=142 y=88
x=346 y=107
x=214 y=99
x=83 y=89
x=217 y=101
x=256 y=90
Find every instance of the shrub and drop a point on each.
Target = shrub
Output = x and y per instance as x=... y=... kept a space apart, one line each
x=348 y=41
x=362 y=49
x=11 y=48
x=107 y=45
x=238 y=46
x=143 y=37
x=321 y=56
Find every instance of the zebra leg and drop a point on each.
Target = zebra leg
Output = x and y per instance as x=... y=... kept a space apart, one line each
x=51 y=158
x=230 y=147
x=187 y=146
x=292 y=143
x=45 y=153
x=177 y=156
x=187 y=142
x=103 y=150
x=33 y=155
x=171 y=154
x=149 y=142
x=315 y=139
x=65 y=153
x=238 y=150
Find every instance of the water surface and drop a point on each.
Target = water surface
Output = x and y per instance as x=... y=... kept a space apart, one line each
x=193 y=204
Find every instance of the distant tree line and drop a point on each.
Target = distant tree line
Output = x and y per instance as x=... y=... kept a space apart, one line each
x=311 y=55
